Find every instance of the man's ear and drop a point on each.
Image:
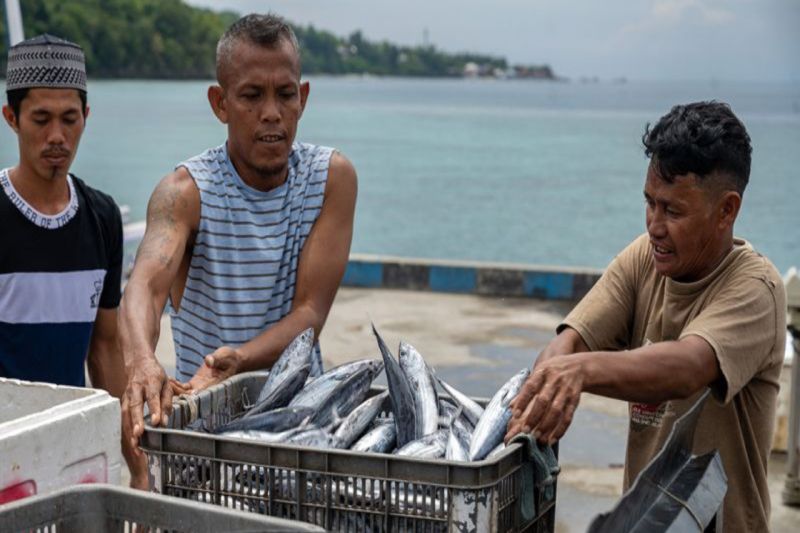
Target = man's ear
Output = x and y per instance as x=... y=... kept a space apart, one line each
x=728 y=208
x=216 y=97
x=11 y=118
x=305 y=89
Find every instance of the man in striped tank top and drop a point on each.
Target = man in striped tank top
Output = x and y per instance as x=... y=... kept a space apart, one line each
x=248 y=240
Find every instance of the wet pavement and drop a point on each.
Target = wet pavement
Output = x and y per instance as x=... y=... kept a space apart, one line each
x=476 y=343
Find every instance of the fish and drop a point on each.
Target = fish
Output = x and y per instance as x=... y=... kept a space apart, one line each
x=491 y=428
x=447 y=408
x=458 y=439
x=276 y=420
x=303 y=435
x=354 y=425
x=314 y=437
x=296 y=354
x=426 y=402
x=446 y=411
x=262 y=436
x=432 y=446
x=456 y=451
x=472 y=411
x=317 y=390
x=344 y=397
x=497 y=450
x=379 y=439
x=406 y=497
x=400 y=394
x=461 y=425
x=282 y=392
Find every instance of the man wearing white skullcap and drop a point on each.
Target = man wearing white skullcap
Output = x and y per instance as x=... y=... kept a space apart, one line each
x=61 y=241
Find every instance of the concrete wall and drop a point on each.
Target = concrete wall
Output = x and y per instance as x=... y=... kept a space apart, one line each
x=490 y=279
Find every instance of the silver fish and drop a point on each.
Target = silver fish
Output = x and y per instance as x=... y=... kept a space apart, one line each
x=426 y=402
x=276 y=420
x=447 y=410
x=380 y=439
x=455 y=449
x=497 y=450
x=297 y=354
x=314 y=437
x=431 y=446
x=282 y=391
x=319 y=389
x=262 y=436
x=458 y=439
x=447 y=407
x=357 y=421
x=346 y=396
x=405 y=497
x=461 y=424
x=399 y=393
x=491 y=428
x=401 y=496
x=472 y=411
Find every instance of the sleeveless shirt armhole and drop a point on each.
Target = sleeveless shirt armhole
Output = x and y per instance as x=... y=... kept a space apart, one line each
x=320 y=168
x=190 y=166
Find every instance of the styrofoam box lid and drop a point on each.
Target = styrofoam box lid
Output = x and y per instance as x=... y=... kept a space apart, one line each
x=23 y=402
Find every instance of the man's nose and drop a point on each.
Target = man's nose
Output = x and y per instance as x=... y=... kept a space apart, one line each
x=270 y=111
x=656 y=225
x=55 y=134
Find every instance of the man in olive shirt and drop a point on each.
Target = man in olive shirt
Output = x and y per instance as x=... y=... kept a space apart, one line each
x=684 y=307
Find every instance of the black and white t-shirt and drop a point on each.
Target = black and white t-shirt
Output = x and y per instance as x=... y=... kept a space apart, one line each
x=55 y=272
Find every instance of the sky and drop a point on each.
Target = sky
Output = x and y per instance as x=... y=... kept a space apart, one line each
x=637 y=39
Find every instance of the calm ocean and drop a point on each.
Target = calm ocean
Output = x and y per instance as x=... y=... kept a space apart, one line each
x=512 y=171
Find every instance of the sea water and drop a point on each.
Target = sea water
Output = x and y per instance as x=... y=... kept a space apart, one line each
x=489 y=170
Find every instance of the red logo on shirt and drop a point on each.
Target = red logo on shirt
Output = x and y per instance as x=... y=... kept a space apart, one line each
x=647 y=414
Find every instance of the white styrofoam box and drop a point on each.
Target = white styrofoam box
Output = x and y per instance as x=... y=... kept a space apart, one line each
x=53 y=436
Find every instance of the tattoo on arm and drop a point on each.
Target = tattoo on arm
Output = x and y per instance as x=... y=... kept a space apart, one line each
x=161 y=223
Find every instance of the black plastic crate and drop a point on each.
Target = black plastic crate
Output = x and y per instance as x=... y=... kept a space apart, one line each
x=339 y=490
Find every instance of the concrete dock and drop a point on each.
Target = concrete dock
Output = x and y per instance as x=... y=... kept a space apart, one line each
x=476 y=343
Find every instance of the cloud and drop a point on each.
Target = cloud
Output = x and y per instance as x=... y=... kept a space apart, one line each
x=665 y=14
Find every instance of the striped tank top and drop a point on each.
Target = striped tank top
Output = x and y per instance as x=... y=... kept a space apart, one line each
x=243 y=269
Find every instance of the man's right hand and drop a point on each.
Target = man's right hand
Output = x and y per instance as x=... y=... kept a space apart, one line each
x=147 y=383
x=567 y=342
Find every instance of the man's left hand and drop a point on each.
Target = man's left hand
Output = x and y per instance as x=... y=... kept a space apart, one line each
x=548 y=399
x=217 y=367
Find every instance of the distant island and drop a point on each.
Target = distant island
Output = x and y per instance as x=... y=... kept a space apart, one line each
x=168 y=39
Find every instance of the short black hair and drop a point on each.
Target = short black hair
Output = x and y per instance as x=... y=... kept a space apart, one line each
x=268 y=30
x=702 y=138
x=16 y=97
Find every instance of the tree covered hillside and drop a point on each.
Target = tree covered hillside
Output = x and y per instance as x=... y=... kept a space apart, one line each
x=170 y=39
x=130 y=38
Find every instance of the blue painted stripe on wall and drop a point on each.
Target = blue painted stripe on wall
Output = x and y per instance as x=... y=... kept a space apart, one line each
x=452 y=279
x=550 y=285
x=363 y=274
x=546 y=283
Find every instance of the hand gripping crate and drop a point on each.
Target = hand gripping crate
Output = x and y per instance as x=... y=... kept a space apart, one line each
x=52 y=436
x=340 y=490
x=105 y=508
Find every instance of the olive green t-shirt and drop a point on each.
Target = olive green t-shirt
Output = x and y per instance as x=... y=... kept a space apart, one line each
x=740 y=310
